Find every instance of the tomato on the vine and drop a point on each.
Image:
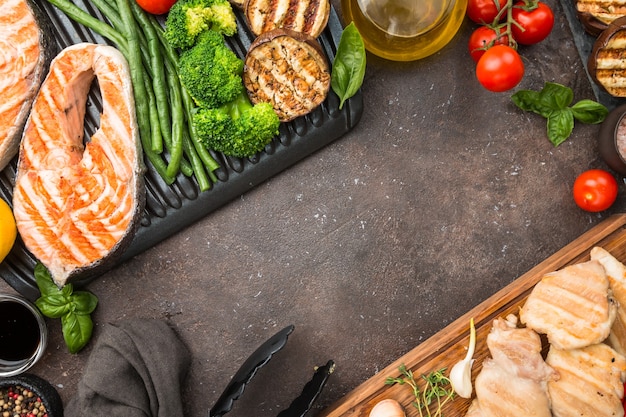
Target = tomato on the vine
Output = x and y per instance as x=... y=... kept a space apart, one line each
x=156 y=7
x=484 y=12
x=595 y=190
x=483 y=38
x=534 y=24
x=500 y=68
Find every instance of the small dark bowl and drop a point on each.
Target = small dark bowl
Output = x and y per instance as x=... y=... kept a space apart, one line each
x=607 y=139
x=40 y=387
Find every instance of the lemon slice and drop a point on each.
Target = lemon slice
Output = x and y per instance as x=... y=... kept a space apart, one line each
x=8 y=230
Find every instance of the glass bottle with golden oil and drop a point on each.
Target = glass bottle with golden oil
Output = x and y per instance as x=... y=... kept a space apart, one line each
x=405 y=30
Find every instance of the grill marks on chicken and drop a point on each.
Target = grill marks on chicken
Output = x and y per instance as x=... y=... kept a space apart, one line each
x=575 y=307
x=572 y=306
x=76 y=205
x=513 y=382
x=590 y=382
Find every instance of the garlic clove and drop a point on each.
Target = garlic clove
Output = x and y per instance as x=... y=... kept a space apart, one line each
x=461 y=372
x=387 y=408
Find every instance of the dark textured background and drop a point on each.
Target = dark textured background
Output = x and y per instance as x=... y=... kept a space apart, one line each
x=443 y=194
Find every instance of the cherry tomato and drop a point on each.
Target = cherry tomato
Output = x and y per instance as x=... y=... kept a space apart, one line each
x=595 y=190
x=484 y=11
x=534 y=25
x=156 y=6
x=500 y=68
x=483 y=38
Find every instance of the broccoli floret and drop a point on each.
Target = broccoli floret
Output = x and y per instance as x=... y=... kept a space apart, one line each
x=210 y=71
x=238 y=128
x=189 y=18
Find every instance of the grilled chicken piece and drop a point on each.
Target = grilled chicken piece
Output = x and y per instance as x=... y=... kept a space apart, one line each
x=514 y=381
x=77 y=206
x=616 y=272
x=26 y=49
x=590 y=383
x=305 y=16
x=289 y=70
x=572 y=306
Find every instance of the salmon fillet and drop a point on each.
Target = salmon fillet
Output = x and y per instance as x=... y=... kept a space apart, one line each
x=77 y=205
x=26 y=48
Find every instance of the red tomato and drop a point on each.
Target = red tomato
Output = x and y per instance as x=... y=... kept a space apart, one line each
x=500 y=68
x=156 y=6
x=483 y=38
x=484 y=11
x=534 y=25
x=595 y=190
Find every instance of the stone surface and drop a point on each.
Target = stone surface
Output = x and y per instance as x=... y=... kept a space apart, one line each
x=443 y=194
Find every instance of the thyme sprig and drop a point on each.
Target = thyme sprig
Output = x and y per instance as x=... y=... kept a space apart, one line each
x=436 y=390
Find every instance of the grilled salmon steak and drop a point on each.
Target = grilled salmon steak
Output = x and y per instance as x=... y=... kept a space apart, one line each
x=26 y=49
x=77 y=204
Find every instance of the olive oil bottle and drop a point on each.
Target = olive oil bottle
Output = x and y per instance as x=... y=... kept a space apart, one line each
x=405 y=30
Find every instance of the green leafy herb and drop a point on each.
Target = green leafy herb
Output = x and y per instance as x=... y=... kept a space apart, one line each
x=436 y=390
x=553 y=103
x=349 y=64
x=74 y=308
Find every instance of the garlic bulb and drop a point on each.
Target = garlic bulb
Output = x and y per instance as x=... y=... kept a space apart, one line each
x=461 y=373
x=387 y=408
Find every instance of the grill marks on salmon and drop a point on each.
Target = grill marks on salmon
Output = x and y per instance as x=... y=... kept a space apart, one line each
x=305 y=16
x=78 y=205
x=26 y=49
x=289 y=70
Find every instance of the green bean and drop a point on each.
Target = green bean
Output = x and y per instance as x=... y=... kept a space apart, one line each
x=156 y=139
x=198 y=167
x=136 y=67
x=84 y=18
x=159 y=82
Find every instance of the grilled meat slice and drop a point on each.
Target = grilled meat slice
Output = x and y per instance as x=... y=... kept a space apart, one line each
x=289 y=70
x=572 y=306
x=590 y=383
x=305 y=16
x=597 y=15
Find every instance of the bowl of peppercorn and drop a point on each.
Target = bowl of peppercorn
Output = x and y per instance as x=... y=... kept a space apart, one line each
x=28 y=395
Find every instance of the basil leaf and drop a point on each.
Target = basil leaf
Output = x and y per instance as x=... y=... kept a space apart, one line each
x=556 y=96
x=77 y=330
x=84 y=302
x=528 y=100
x=560 y=126
x=349 y=65
x=53 y=305
x=44 y=280
x=588 y=111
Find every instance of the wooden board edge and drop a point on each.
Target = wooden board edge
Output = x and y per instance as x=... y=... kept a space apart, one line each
x=483 y=314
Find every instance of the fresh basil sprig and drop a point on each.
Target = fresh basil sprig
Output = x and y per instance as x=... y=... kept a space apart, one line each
x=349 y=64
x=74 y=308
x=553 y=103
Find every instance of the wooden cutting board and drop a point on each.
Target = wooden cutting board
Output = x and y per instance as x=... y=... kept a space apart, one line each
x=449 y=346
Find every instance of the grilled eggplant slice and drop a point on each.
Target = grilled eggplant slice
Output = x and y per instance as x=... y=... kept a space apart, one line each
x=596 y=15
x=289 y=70
x=306 y=16
x=607 y=61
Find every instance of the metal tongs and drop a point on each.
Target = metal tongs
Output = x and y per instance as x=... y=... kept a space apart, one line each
x=299 y=406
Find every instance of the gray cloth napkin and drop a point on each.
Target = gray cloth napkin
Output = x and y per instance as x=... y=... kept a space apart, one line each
x=136 y=368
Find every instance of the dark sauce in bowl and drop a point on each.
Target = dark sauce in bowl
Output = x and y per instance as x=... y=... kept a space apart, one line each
x=19 y=332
